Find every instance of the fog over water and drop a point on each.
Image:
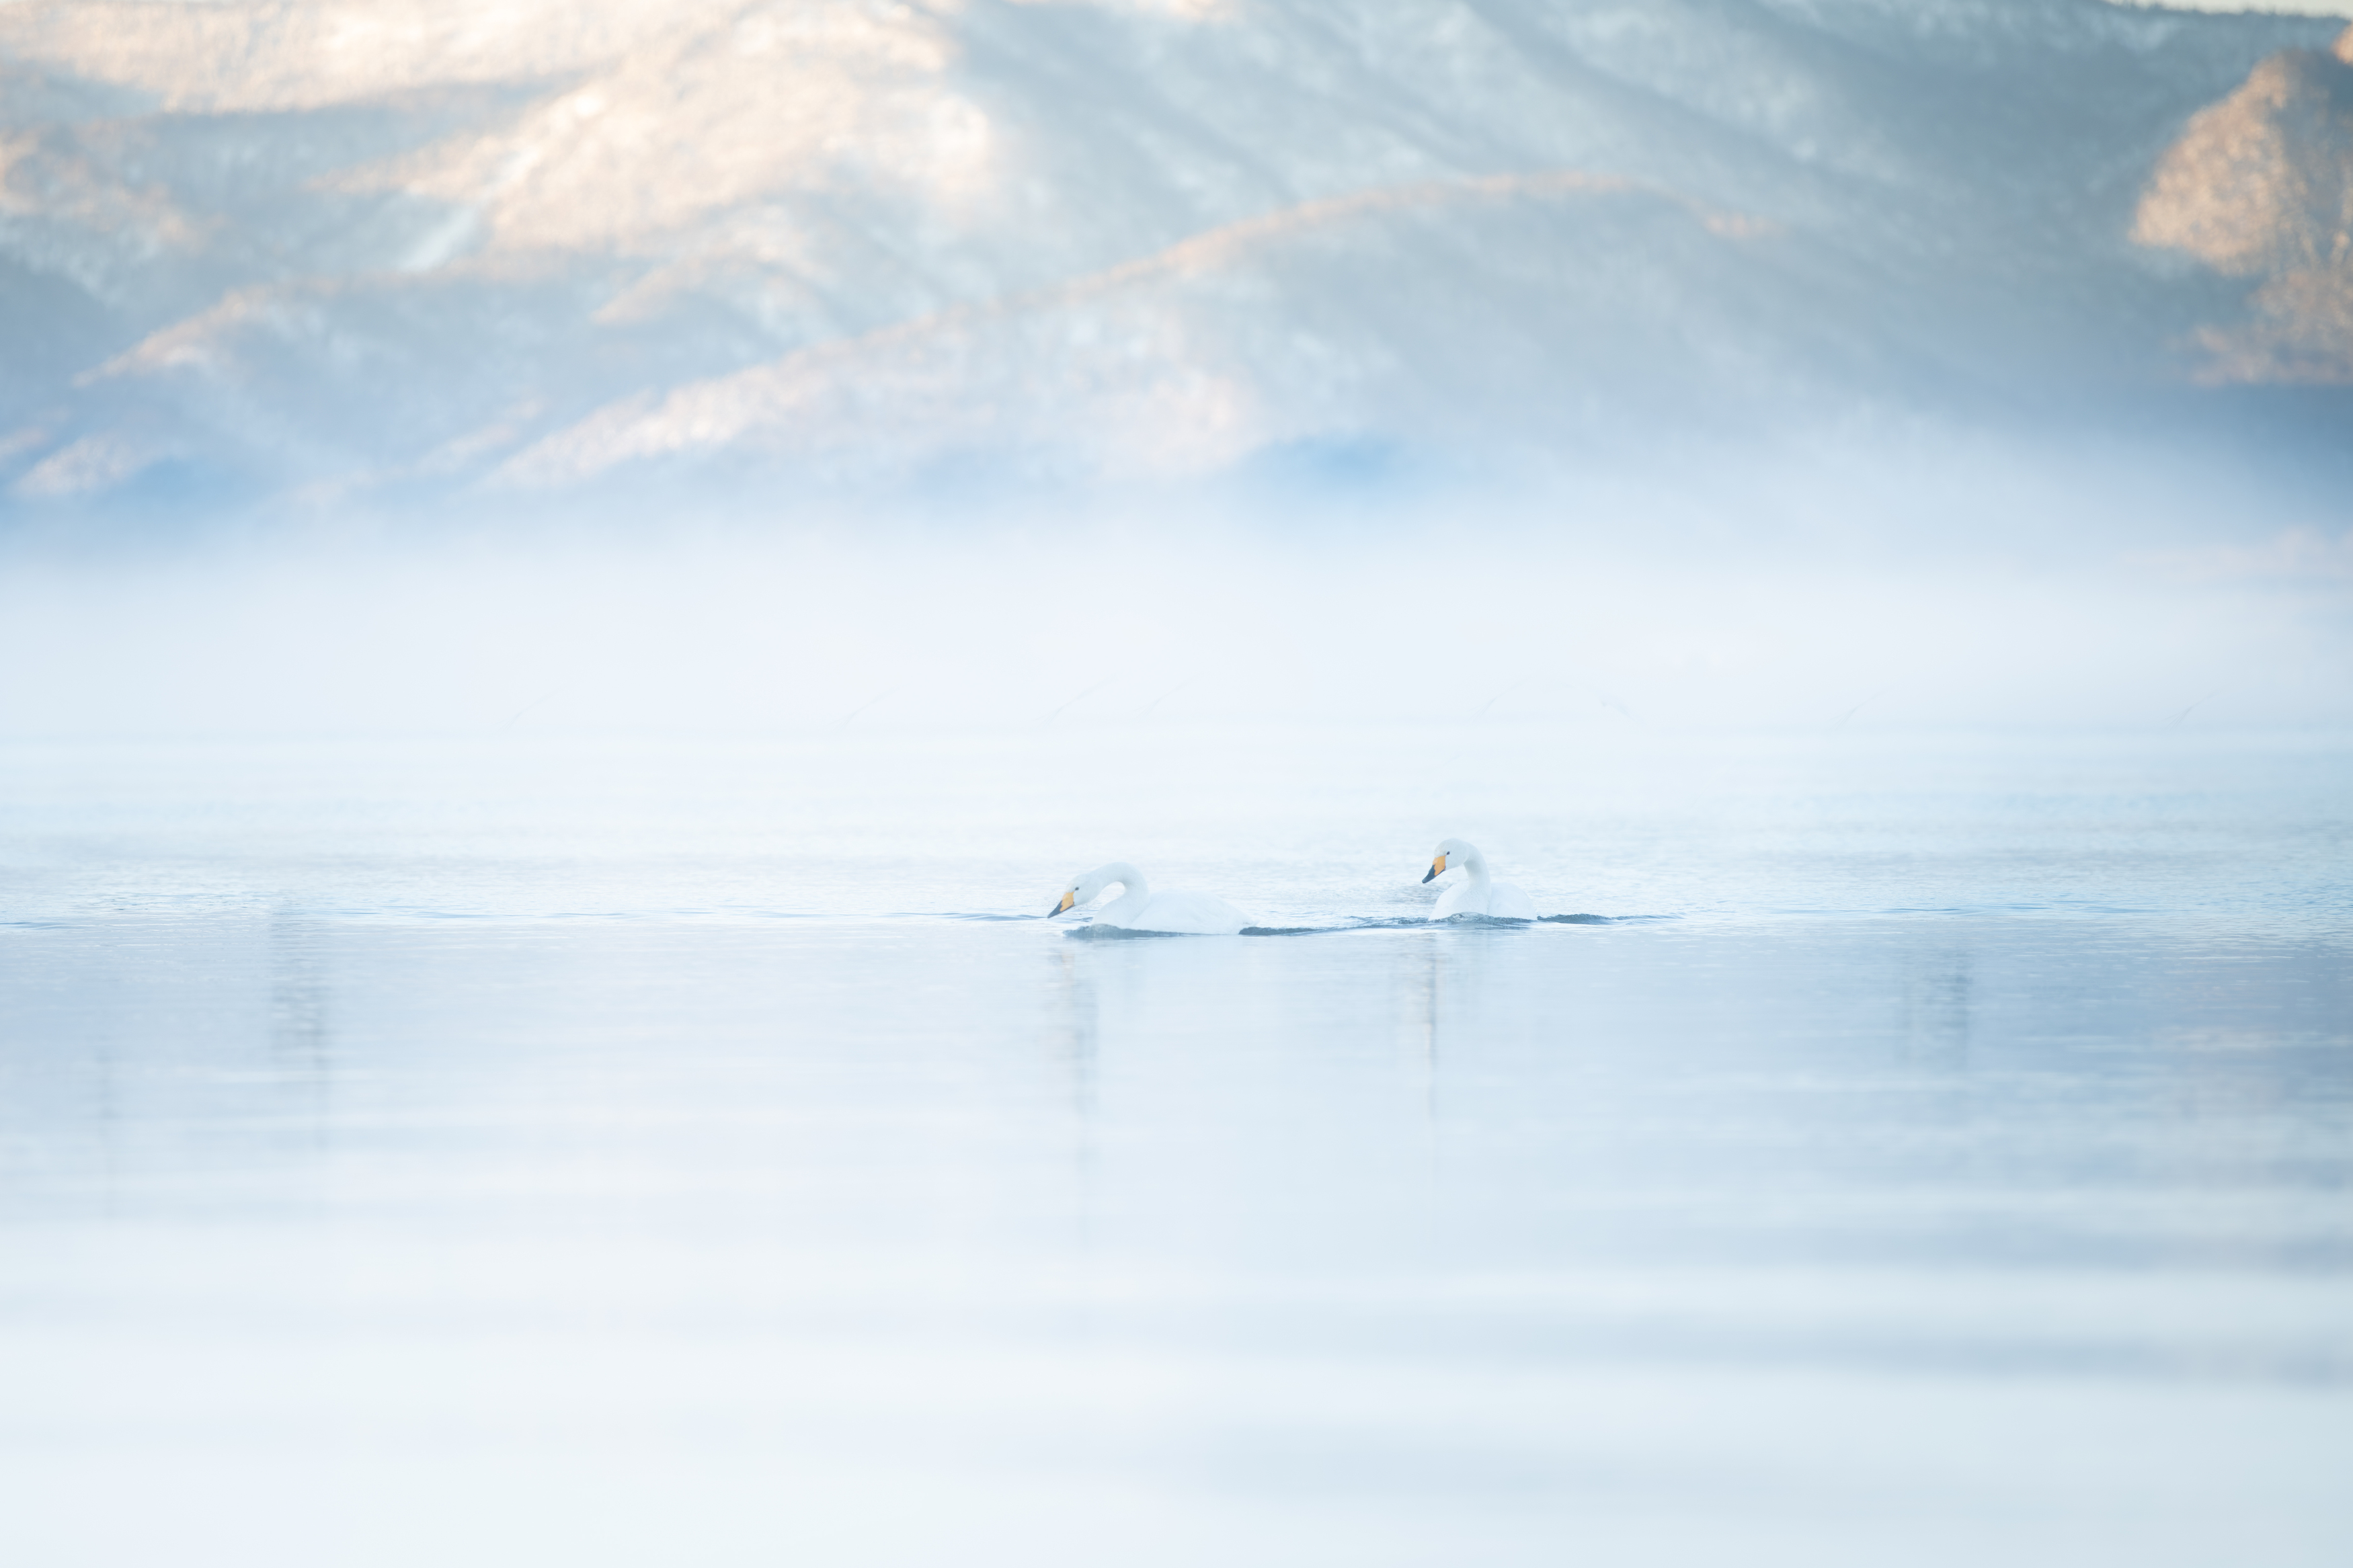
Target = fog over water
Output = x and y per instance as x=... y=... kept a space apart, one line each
x=575 y=578
x=1940 y=594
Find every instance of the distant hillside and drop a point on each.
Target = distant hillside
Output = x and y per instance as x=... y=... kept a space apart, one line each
x=2261 y=186
x=387 y=250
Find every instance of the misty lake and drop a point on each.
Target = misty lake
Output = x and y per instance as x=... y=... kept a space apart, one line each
x=1936 y=1149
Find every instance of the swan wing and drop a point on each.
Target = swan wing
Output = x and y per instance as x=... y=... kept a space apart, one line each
x=1188 y=914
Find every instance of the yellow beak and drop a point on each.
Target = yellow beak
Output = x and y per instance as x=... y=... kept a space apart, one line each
x=1064 y=907
x=1436 y=869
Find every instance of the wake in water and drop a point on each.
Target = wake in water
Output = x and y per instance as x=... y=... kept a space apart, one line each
x=1355 y=923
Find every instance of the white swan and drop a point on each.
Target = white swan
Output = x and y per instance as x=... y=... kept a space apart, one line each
x=1475 y=895
x=1138 y=908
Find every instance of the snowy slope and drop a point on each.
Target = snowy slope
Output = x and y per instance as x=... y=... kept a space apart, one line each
x=2260 y=186
x=364 y=247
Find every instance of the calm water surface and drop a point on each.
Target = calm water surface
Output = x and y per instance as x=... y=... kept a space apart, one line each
x=522 y=1149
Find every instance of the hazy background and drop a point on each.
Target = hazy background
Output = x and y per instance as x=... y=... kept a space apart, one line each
x=395 y=364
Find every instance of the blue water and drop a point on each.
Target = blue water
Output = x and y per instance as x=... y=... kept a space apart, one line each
x=1936 y=1149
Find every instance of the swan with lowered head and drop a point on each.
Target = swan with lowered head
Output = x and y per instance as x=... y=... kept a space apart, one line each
x=1475 y=895
x=1138 y=908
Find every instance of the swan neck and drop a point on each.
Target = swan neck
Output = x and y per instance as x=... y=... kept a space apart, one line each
x=1134 y=891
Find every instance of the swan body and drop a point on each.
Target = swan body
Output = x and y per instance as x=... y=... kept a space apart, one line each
x=1476 y=894
x=1138 y=908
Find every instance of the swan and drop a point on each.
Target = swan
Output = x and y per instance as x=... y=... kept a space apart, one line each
x=1477 y=895
x=1138 y=908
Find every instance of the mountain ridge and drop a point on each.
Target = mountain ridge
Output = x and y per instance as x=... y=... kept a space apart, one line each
x=387 y=243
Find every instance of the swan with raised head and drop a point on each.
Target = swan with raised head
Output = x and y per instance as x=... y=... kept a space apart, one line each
x=1138 y=908
x=1476 y=894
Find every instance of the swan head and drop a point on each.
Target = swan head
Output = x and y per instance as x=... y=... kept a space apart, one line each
x=1087 y=888
x=1451 y=853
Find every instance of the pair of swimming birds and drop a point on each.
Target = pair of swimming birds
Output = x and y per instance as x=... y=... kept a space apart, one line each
x=1138 y=908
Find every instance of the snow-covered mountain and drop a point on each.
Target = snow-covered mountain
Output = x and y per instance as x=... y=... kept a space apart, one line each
x=398 y=248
